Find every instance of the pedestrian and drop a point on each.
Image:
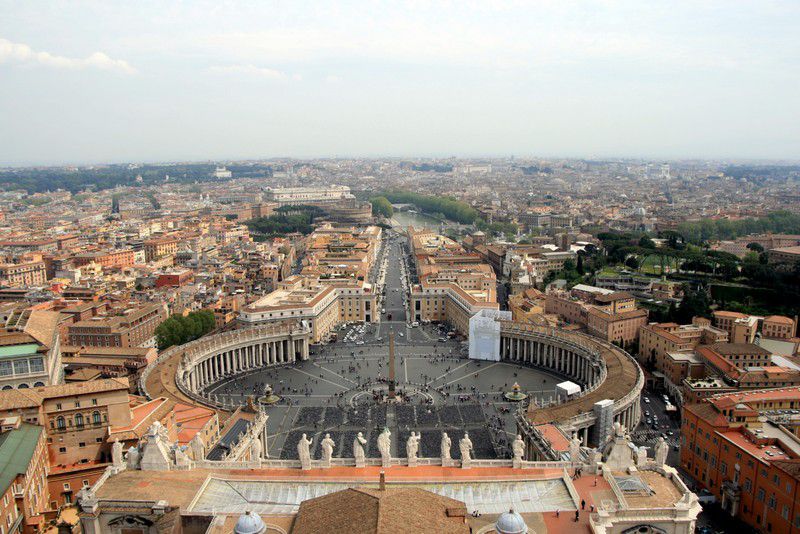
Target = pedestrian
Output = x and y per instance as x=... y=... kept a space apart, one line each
x=591 y=508
x=583 y=504
x=557 y=512
x=577 y=515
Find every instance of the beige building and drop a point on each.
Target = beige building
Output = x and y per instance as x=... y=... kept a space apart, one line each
x=32 y=273
x=453 y=284
x=77 y=418
x=323 y=305
x=30 y=353
x=609 y=315
x=657 y=340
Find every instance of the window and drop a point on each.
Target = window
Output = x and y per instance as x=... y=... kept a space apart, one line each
x=60 y=423
x=79 y=420
x=81 y=444
x=94 y=402
x=747 y=485
x=761 y=494
x=785 y=512
x=66 y=486
x=96 y=418
x=58 y=406
x=77 y=404
x=62 y=449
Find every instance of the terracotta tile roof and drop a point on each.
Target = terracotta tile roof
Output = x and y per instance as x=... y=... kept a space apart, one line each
x=394 y=510
x=16 y=398
x=739 y=348
x=42 y=326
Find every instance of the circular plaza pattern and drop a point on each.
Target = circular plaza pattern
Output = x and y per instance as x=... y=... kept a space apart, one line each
x=342 y=389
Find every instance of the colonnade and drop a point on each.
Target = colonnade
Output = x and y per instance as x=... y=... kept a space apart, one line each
x=238 y=359
x=578 y=361
x=572 y=362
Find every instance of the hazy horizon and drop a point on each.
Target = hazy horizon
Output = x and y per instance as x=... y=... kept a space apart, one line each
x=95 y=83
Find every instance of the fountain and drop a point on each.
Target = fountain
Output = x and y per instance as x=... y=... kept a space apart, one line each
x=516 y=394
x=268 y=397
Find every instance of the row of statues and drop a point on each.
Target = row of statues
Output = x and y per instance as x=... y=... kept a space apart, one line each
x=384 y=447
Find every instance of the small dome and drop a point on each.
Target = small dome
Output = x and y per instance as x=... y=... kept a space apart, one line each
x=510 y=523
x=249 y=523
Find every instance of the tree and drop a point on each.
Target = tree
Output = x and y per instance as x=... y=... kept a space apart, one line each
x=646 y=242
x=381 y=207
x=179 y=329
x=755 y=247
x=632 y=263
x=579 y=267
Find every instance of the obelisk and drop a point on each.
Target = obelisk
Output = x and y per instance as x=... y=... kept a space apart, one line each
x=391 y=365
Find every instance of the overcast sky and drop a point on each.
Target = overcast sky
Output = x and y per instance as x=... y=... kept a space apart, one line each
x=156 y=81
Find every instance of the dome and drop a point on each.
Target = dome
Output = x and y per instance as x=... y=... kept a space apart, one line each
x=249 y=523
x=510 y=523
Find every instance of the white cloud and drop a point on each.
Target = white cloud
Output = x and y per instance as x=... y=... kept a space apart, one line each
x=332 y=78
x=23 y=54
x=252 y=70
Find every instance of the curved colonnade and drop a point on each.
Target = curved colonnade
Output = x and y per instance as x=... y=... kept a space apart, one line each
x=604 y=371
x=211 y=359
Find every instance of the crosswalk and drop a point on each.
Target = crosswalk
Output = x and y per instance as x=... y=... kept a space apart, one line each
x=649 y=438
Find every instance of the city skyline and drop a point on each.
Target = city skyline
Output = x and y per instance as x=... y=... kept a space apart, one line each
x=588 y=79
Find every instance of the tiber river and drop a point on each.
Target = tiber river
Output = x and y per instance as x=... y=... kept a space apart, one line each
x=418 y=220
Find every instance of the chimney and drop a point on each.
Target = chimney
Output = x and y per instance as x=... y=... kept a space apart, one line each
x=382 y=482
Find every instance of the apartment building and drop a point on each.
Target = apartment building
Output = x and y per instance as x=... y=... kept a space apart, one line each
x=30 y=352
x=657 y=340
x=778 y=327
x=157 y=248
x=732 y=446
x=453 y=284
x=323 y=305
x=23 y=476
x=76 y=418
x=609 y=315
x=107 y=258
x=741 y=328
x=133 y=327
x=29 y=273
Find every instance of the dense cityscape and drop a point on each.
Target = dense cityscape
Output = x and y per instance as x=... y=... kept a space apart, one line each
x=576 y=329
x=400 y=267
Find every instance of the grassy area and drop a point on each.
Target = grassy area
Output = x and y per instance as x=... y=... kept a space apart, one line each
x=652 y=264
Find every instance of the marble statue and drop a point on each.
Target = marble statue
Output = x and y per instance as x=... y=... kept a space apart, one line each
x=619 y=430
x=255 y=450
x=641 y=456
x=181 y=458
x=327 y=450
x=662 y=448
x=384 y=446
x=132 y=458
x=446 y=443
x=518 y=446
x=358 y=450
x=412 y=448
x=465 y=446
x=116 y=454
x=156 y=455
x=574 y=448
x=197 y=448
x=303 y=452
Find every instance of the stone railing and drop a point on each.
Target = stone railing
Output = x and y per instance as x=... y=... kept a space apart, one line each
x=609 y=477
x=351 y=462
